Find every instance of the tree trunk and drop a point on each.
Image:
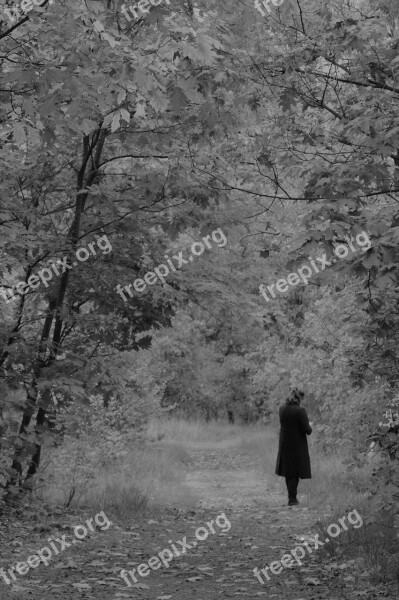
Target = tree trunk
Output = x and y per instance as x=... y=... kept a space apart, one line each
x=48 y=353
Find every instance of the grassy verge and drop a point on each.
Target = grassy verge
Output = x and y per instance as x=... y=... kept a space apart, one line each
x=140 y=479
x=337 y=491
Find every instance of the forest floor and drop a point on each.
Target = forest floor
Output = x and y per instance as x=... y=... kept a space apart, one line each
x=223 y=479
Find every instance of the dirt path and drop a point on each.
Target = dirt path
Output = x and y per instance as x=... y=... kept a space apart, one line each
x=262 y=528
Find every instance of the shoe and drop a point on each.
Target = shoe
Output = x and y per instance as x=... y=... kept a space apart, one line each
x=293 y=502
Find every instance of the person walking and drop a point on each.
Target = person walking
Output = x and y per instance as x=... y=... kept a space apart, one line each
x=293 y=460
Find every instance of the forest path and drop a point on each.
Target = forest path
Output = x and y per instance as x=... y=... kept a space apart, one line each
x=224 y=478
x=223 y=475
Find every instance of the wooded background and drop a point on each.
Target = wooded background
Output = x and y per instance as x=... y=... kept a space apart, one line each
x=283 y=132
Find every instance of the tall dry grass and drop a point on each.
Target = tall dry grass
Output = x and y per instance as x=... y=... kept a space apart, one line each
x=337 y=491
x=141 y=479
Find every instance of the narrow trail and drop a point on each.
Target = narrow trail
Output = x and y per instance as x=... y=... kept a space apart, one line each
x=224 y=480
x=222 y=477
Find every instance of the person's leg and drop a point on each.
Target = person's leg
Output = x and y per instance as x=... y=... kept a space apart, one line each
x=295 y=487
x=288 y=483
x=292 y=486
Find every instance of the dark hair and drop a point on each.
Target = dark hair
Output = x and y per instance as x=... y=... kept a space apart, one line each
x=295 y=397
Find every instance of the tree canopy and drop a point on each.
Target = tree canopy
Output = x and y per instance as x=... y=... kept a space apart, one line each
x=150 y=134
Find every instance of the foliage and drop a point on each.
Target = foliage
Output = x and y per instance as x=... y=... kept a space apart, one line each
x=282 y=132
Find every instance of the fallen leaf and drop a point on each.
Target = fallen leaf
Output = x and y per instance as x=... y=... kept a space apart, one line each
x=70 y=564
x=19 y=588
x=312 y=581
x=81 y=586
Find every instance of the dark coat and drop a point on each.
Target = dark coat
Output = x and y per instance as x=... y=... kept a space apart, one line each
x=293 y=454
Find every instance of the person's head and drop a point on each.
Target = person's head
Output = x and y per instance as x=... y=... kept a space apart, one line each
x=295 y=397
